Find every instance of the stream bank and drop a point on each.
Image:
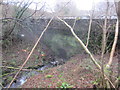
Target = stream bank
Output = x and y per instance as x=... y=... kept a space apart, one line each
x=24 y=75
x=56 y=44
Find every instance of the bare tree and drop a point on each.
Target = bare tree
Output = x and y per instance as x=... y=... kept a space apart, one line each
x=86 y=49
x=20 y=11
x=104 y=40
x=117 y=82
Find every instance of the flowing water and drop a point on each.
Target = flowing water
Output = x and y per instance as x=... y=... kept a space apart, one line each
x=25 y=75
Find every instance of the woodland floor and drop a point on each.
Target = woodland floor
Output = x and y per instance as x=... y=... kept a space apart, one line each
x=78 y=72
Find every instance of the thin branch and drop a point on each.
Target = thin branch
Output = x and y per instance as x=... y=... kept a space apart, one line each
x=74 y=23
x=114 y=44
x=1 y=85
x=86 y=49
x=16 y=21
x=19 y=15
x=31 y=52
x=34 y=12
x=15 y=68
x=89 y=30
x=7 y=74
x=98 y=24
x=90 y=24
x=104 y=32
x=80 y=41
x=104 y=41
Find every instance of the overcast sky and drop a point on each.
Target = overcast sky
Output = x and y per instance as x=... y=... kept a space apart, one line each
x=80 y=4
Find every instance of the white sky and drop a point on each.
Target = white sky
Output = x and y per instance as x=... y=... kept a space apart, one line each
x=80 y=4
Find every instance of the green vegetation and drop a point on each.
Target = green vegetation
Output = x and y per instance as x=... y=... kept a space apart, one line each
x=65 y=85
x=13 y=62
x=61 y=41
x=10 y=78
x=49 y=76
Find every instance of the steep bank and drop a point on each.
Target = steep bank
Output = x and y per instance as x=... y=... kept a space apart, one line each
x=79 y=72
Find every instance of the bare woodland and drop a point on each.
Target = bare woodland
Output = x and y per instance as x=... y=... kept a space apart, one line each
x=13 y=13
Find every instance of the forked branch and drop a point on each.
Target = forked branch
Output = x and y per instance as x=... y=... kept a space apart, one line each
x=86 y=49
x=83 y=45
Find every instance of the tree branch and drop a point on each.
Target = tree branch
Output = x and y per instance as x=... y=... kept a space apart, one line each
x=90 y=23
x=80 y=41
x=86 y=49
x=114 y=44
x=31 y=52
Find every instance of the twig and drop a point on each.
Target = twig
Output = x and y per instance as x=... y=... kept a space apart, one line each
x=7 y=74
x=86 y=49
x=98 y=24
x=16 y=68
x=34 y=12
x=90 y=24
x=16 y=21
x=30 y=52
x=89 y=30
x=74 y=23
x=1 y=85
x=114 y=44
x=104 y=41
x=115 y=38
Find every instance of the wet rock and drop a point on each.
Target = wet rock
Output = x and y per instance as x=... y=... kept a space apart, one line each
x=57 y=62
x=45 y=67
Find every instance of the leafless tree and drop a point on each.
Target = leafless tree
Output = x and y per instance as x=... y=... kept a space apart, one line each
x=14 y=14
x=101 y=69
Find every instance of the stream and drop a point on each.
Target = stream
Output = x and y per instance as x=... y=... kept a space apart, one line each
x=27 y=74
